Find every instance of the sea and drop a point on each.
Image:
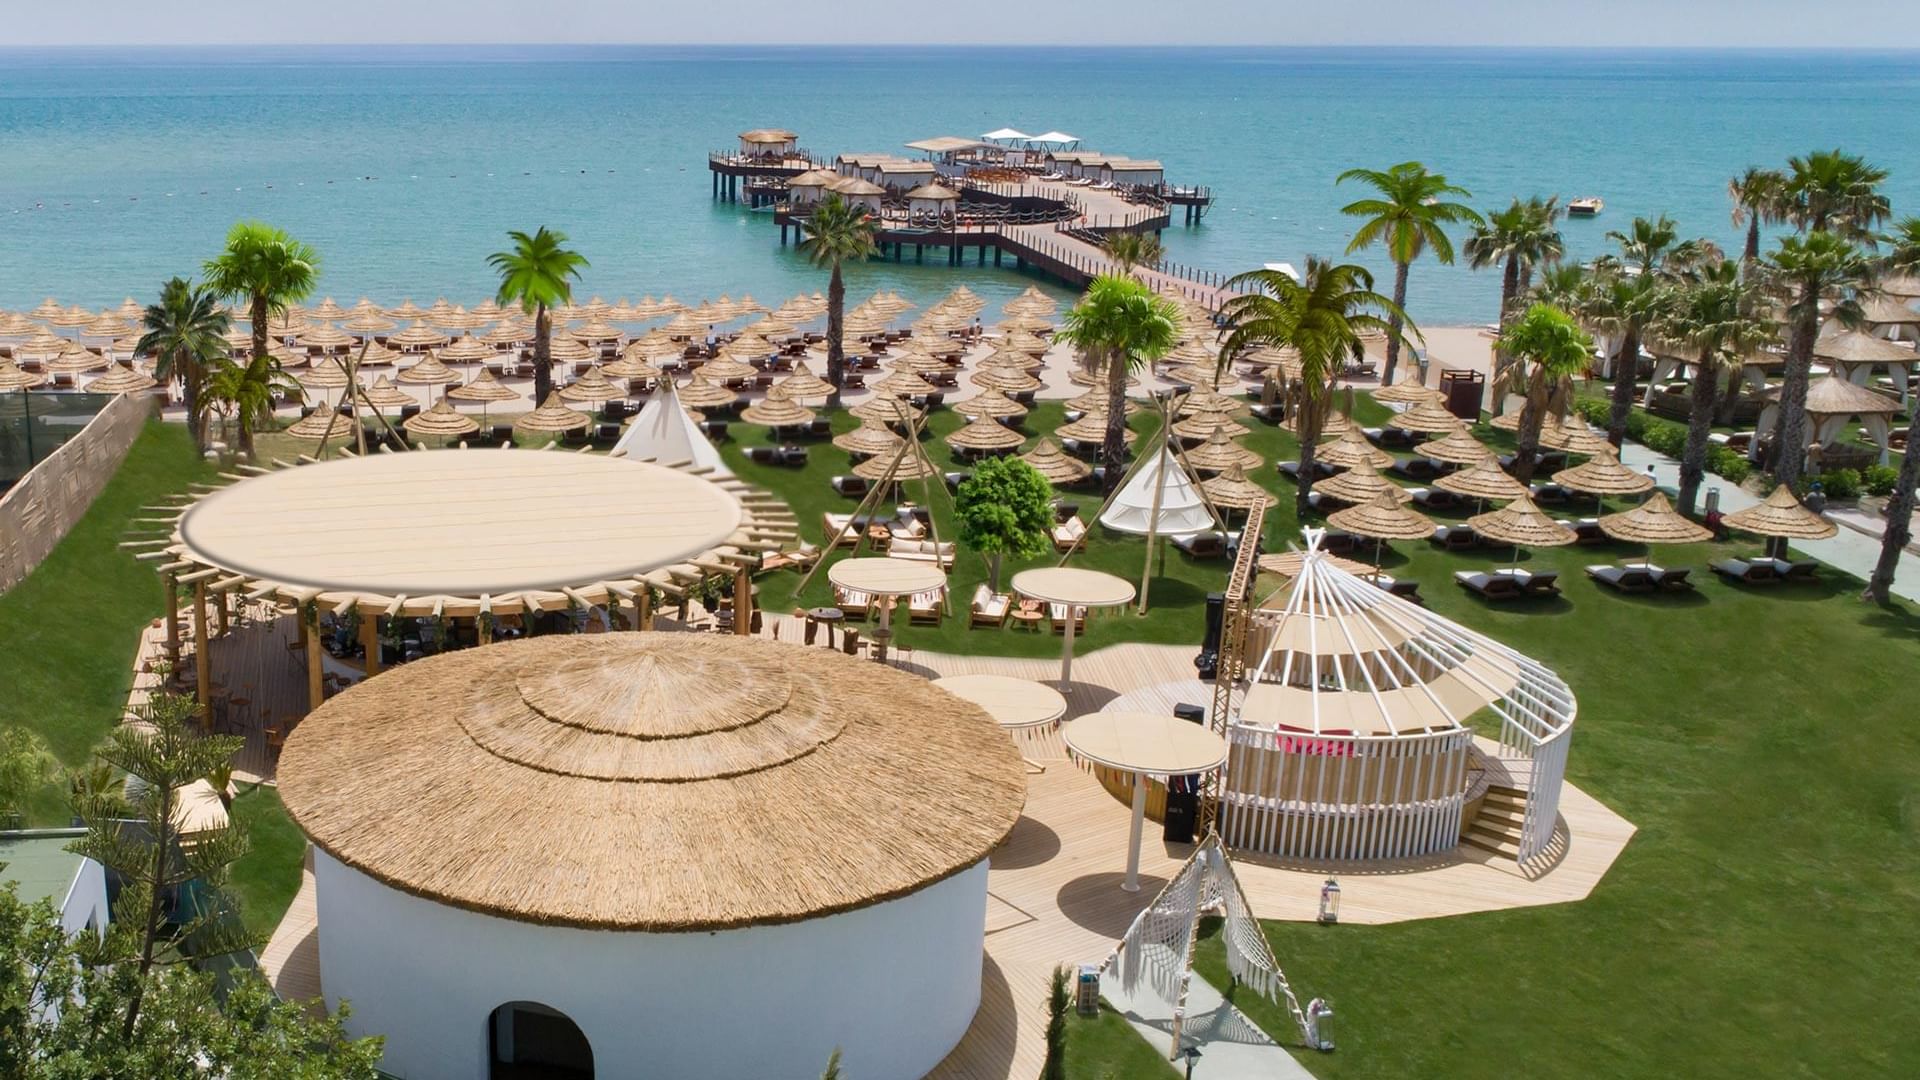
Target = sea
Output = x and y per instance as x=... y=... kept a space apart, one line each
x=405 y=166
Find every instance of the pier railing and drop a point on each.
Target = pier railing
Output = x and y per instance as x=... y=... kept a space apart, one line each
x=791 y=159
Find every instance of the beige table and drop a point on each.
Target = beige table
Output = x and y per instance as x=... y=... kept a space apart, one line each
x=1076 y=589
x=888 y=578
x=1014 y=704
x=1143 y=743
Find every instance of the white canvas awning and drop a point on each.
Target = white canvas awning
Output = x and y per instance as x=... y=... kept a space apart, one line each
x=664 y=432
x=1183 y=510
x=1007 y=134
x=1054 y=137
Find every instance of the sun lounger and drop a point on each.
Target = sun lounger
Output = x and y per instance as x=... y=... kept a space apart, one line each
x=1758 y=572
x=1434 y=498
x=1406 y=590
x=1551 y=495
x=1585 y=530
x=1415 y=468
x=1489 y=586
x=1390 y=437
x=850 y=486
x=1626 y=579
x=1542 y=583
x=1292 y=468
x=989 y=608
x=840 y=531
x=1796 y=570
x=1069 y=534
x=1202 y=545
x=804 y=555
x=955 y=479
x=1456 y=537
x=1338 y=542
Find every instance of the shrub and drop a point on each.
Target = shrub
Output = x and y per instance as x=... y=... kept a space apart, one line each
x=1880 y=479
x=1726 y=463
x=1841 y=483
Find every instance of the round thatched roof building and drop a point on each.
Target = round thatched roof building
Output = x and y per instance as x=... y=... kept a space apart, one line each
x=630 y=842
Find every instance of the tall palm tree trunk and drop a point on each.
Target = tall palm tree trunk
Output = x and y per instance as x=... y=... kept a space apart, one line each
x=1308 y=426
x=1113 y=449
x=1533 y=415
x=1752 y=252
x=1729 y=397
x=542 y=355
x=1395 y=323
x=189 y=370
x=836 y=331
x=1693 y=462
x=1626 y=367
x=1790 y=427
x=257 y=315
x=1899 y=532
x=1509 y=293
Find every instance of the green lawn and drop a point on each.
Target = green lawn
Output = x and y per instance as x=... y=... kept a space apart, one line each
x=266 y=878
x=1106 y=1047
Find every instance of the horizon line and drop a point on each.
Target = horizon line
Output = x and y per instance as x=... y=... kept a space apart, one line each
x=790 y=45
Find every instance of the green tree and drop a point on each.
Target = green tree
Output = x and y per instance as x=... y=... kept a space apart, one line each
x=1131 y=249
x=1833 y=191
x=247 y=391
x=538 y=273
x=1548 y=348
x=268 y=269
x=25 y=767
x=1758 y=196
x=1720 y=314
x=60 y=1017
x=1409 y=216
x=1629 y=291
x=138 y=837
x=833 y=1066
x=1322 y=317
x=1121 y=325
x=1518 y=239
x=1821 y=274
x=834 y=233
x=1903 y=257
x=185 y=332
x=1059 y=997
x=1005 y=508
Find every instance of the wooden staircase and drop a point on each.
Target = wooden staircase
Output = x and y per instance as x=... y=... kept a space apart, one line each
x=1497 y=827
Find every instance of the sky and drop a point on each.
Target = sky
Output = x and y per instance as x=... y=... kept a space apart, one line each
x=1572 y=23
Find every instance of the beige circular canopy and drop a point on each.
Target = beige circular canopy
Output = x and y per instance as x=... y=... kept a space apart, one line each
x=1145 y=742
x=1350 y=449
x=1654 y=522
x=441 y=420
x=985 y=433
x=989 y=402
x=1522 y=524
x=655 y=782
x=455 y=523
x=1072 y=585
x=886 y=577
x=1232 y=490
x=1359 y=484
x=1602 y=474
x=1382 y=518
x=1781 y=514
x=1054 y=464
x=1484 y=479
x=1425 y=416
x=1013 y=703
x=1409 y=390
x=1458 y=447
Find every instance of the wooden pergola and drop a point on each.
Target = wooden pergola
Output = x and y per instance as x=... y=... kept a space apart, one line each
x=451 y=535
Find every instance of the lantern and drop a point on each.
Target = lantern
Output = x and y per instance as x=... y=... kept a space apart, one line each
x=1320 y=1025
x=1330 y=902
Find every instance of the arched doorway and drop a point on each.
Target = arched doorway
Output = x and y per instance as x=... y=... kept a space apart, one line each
x=529 y=1041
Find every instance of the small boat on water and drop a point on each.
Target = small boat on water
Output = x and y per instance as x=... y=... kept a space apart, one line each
x=1589 y=206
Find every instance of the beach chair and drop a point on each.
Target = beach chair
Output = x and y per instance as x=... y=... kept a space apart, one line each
x=804 y=555
x=1405 y=590
x=1057 y=618
x=1671 y=580
x=1456 y=537
x=1435 y=498
x=1202 y=545
x=953 y=480
x=1491 y=587
x=1796 y=569
x=927 y=607
x=1543 y=583
x=1626 y=579
x=839 y=531
x=1069 y=534
x=1585 y=531
x=989 y=608
x=1758 y=572
x=1551 y=495
x=1415 y=468
x=851 y=487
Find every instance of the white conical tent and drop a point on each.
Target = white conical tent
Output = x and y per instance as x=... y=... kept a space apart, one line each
x=664 y=432
x=1161 y=482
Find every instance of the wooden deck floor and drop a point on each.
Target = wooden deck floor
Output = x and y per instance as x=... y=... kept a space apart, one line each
x=1054 y=886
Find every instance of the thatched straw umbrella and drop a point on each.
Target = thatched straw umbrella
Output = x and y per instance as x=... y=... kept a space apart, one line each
x=384 y=395
x=368 y=322
x=869 y=438
x=592 y=387
x=912 y=466
x=1013 y=360
x=407 y=310
x=1575 y=436
x=1521 y=524
x=565 y=350
x=329 y=310
x=631 y=365
x=319 y=424
x=1287 y=563
x=1219 y=453
x=776 y=410
x=1350 y=449
x=1053 y=463
x=989 y=403
x=1654 y=522
x=1484 y=480
x=1092 y=428
x=913 y=362
x=328 y=374
x=121 y=380
x=804 y=385
x=984 y=434
x=1360 y=483
x=886 y=411
x=1201 y=425
x=1408 y=391
x=1602 y=475
x=374 y=354
x=902 y=384
x=1080 y=376
x=1781 y=517
x=508 y=332
x=1022 y=341
x=595 y=331
x=484 y=389
x=441 y=421
x=325 y=337
x=417 y=337
x=12 y=378
x=698 y=393
x=429 y=372
x=466 y=349
x=1005 y=380
x=75 y=359
x=1231 y=490
x=552 y=416
x=1096 y=401
x=727 y=369
x=1380 y=519
x=1335 y=424
x=1458 y=447
x=1425 y=417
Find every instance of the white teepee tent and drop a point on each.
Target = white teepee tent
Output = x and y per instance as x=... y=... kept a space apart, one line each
x=664 y=432
x=1159 y=499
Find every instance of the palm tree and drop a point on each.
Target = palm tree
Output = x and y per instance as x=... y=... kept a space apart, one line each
x=1548 y=348
x=538 y=273
x=1120 y=324
x=1811 y=271
x=1520 y=238
x=1758 y=195
x=1408 y=217
x=1903 y=256
x=268 y=269
x=1829 y=190
x=834 y=233
x=1131 y=249
x=1721 y=314
x=1628 y=296
x=1322 y=317
x=186 y=335
x=247 y=391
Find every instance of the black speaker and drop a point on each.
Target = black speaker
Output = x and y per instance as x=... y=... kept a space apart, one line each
x=1192 y=714
x=1208 y=662
x=1183 y=816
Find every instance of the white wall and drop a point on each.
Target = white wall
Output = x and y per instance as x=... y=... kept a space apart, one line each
x=894 y=985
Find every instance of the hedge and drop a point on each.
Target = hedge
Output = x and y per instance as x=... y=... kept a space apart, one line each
x=1666 y=437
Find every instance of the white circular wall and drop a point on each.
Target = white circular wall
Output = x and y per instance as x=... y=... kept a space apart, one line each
x=894 y=985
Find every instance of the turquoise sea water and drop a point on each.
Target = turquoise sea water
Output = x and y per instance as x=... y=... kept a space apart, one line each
x=405 y=165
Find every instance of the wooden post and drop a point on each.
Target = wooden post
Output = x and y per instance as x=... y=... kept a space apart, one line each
x=202 y=664
x=173 y=623
x=316 y=666
x=742 y=602
x=643 y=609
x=221 y=611
x=370 y=640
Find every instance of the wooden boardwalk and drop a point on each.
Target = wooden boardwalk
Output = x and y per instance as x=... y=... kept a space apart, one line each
x=1054 y=885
